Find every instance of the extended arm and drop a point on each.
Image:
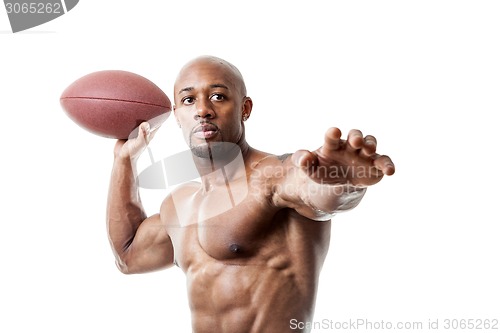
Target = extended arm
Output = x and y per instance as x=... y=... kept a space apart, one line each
x=333 y=178
x=140 y=243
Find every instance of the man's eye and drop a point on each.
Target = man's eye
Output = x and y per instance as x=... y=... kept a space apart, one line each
x=187 y=100
x=217 y=97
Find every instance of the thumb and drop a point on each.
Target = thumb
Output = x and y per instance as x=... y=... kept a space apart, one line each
x=134 y=146
x=304 y=159
x=144 y=133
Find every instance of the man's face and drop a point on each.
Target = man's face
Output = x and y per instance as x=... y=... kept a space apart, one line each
x=208 y=106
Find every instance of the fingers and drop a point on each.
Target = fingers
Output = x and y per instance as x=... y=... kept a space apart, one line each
x=355 y=140
x=369 y=146
x=384 y=164
x=356 y=144
x=332 y=140
x=366 y=146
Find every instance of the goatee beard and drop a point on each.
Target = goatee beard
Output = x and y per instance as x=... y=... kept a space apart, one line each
x=215 y=150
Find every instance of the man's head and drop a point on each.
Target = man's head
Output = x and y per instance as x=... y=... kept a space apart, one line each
x=211 y=104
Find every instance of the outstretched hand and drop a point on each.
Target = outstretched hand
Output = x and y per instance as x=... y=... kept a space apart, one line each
x=352 y=161
x=133 y=147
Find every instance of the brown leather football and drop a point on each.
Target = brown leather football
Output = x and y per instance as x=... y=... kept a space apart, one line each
x=113 y=103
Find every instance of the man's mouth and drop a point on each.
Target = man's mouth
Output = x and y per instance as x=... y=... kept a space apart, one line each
x=205 y=131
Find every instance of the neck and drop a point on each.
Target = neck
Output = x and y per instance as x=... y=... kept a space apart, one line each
x=223 y=165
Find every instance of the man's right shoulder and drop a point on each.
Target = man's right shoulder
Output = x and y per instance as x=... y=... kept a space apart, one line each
x=178 y=199
x=179 y=195
x=184 y=190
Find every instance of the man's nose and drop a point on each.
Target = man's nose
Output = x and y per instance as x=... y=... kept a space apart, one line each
x=204 y=110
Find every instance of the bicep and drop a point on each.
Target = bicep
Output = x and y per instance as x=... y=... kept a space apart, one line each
x=151 y=248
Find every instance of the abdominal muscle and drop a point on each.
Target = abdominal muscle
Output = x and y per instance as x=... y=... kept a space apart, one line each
x=261 y=293
x=247 y=298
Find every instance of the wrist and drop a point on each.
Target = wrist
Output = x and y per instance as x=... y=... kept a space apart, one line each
x=350 y=196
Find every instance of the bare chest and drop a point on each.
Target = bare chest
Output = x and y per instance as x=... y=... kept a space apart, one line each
x=224 y=224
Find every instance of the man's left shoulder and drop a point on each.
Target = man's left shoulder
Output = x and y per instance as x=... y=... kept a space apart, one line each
x=260 y=159
x=269 y=169
x=283 y=157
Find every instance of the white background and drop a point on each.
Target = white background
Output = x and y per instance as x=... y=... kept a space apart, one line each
x=422 y=76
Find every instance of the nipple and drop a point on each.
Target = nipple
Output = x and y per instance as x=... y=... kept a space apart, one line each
x=235 y=248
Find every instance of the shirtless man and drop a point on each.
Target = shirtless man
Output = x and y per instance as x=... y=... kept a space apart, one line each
x=251 y=266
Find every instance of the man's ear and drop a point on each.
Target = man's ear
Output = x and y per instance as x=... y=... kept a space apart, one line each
x=246 y=108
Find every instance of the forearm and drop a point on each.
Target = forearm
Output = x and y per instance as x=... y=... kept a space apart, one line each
x=332 y=199
x=317 y=200
x=124 y=211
